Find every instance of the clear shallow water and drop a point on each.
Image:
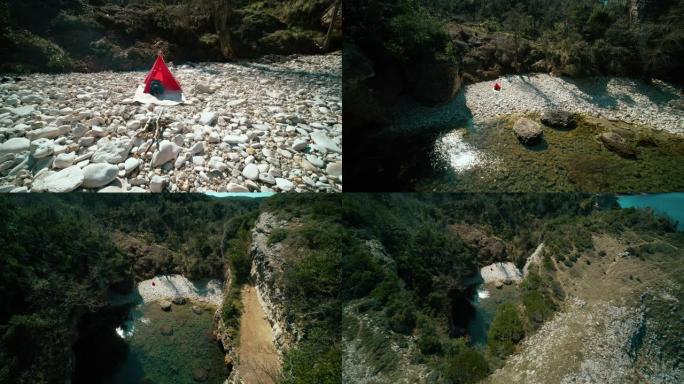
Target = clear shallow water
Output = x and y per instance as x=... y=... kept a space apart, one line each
x=485 y=301
x=670 y=204
x=156 y=358
x=488 y=157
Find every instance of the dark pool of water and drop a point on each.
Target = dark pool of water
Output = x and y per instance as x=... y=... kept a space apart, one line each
x=145 y=355
x=670 y=204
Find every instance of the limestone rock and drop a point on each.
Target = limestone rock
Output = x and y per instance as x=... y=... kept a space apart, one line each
x=112 y=152
x=15 y=145
x=65 y=180
x=98 y=175
x=168 y=151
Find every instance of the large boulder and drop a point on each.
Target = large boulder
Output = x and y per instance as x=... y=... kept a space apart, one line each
x=558 y=119
x=619 y=144
x=528 y=131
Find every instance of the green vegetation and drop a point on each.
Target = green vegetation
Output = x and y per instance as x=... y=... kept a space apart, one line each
x=407 y=269
x=278 y=235
x=68 y=35
x=506 y=330
x=311 y=281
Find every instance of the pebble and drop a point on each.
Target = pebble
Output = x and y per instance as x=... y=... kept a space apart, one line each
x=251 y=172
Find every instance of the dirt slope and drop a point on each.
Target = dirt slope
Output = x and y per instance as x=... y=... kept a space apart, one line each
x=258 y=361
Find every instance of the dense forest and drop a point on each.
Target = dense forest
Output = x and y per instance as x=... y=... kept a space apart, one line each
x=90 y=35
x=419 y=283
x=63 y=255
x=427 y=48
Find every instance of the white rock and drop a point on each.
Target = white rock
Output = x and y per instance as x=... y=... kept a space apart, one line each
x=157 y=183
x=300 y=145
x=322 y=140
x=112 y=152
x=251 y=172
x=48 y=132
x=235 y=139
x=23 y=111
x=232 y=187
x=267 y=178
x=167 y=151
x=110 y=189
x=15 y=145
x=334 y=169
x=133 y=125
x=284 y=184
x=64 y=160
x=78 y=130
x=207 y=118
x=131 y=164
x=66 y=180
x=315 y=161
x=42 y=148
x=97 y=175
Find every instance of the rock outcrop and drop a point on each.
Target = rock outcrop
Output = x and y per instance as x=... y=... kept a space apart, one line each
x=505 y=273
x=266 y=265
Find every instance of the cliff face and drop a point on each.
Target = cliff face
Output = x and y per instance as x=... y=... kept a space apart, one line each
x=266 y=266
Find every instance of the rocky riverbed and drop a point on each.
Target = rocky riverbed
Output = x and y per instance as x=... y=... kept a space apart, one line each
x=275 y=125
x=658 y=105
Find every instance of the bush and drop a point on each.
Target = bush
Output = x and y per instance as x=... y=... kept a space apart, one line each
x=468 y=366
x=277 y=235
x=506 y=330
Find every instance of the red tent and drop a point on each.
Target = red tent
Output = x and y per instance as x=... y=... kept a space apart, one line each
x=161 y=72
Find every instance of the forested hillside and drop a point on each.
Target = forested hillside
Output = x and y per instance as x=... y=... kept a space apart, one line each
x=63 y=256
x=91 y=35
x=409 y=275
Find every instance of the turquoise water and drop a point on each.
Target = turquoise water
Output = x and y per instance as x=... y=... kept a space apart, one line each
x=670 y=204
x=157 y=358
x=240 y=194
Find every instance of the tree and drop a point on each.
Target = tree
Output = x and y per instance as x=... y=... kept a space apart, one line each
x=333 y=20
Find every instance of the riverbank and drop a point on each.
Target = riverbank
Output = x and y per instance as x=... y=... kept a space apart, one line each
x=633 y=101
